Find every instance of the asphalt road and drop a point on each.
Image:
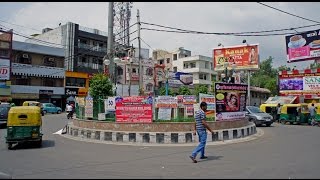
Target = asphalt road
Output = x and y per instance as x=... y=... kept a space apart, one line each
x=284 y=151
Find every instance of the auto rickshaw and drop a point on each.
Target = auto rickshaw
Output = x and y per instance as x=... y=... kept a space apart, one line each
x=24 y=125
x=34 y=103
x=294 y=113
x=270 y=109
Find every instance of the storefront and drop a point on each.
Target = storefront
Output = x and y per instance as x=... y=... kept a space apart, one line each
x=5 y=91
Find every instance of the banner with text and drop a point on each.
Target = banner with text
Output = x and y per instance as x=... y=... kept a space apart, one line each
x=211 y=103
x=230 y=101
x=134 y=109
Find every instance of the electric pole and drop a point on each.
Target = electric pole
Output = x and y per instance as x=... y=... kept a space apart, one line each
x=139 y=53
x=110 y=39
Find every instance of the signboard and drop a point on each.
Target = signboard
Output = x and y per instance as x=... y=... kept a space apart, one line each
x=134 y=109
x=166 y=102
x=281 y=99
x=299 y=83
x=211 y=103
x=71 y=91
x=311 y=83
x=180 y=78
x=303 y=46
x=164 y=113
x=189 y=99
x=230 y=101
x=4 y=69
x=88 y=113
x=189 y=110
x=244 y=57
x=110 y=104
x=46 y=92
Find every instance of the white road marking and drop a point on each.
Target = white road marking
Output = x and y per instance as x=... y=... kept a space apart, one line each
x=58 y=132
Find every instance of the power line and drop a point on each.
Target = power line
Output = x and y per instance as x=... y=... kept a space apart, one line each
x=225 y=34
x=288 y=13
x=233 y=33
x=19 y=25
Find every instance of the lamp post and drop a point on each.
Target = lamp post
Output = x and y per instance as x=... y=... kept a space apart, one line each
x=106 y=62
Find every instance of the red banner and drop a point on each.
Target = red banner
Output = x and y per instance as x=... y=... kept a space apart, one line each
x=238 y=57
x=135 y=109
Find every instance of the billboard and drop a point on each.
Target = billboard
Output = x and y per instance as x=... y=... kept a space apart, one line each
x=178 y=79
x=134 y=109
x=4 y=69
x=230 y=101
x=303 y=46
x=302 y=83
x=244 y=57
x=211 y=103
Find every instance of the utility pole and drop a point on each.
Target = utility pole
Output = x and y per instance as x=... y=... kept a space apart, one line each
x=131 y=55
x=139 y=53
x=110 y=39
x=249 y=94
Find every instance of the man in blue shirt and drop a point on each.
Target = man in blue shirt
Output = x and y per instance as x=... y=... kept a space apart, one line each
x=200 y=127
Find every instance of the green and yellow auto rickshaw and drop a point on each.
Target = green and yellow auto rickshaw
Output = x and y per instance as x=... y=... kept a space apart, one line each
x=294 y=113
x=270 y=109
x=24 y=125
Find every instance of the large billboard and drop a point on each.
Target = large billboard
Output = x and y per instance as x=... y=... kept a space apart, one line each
x=5 y=54
x=243 y=57
x=303 y=46
x=299 y=83
x=230 y=101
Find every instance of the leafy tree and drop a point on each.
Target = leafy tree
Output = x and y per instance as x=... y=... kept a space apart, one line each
x=162 y=91
x=314 y=65
x=200 y=89
x=100 y=86
x=284 y=68
x=183 y=90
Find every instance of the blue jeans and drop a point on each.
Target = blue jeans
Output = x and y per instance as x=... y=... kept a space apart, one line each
x=202 y=143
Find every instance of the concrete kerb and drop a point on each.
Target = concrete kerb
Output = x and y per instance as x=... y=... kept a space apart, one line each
x=219 y=137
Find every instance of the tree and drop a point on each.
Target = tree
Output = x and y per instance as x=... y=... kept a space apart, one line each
x=200 y=89
x=284 y=68
x=183 y=90
x=162 y=91
x=314 y=65
x=100 y=86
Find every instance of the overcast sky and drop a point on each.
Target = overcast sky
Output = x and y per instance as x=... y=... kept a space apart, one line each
x=200 y=16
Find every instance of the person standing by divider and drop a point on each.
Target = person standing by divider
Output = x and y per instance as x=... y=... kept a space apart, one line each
x=200 y=128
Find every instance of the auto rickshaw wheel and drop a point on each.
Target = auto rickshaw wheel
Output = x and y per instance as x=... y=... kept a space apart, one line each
x=283 y=122
x=9 y=146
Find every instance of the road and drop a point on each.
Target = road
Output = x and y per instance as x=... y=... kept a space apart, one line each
x=284 y=151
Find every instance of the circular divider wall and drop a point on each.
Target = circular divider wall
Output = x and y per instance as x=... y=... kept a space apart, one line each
x=156 y=132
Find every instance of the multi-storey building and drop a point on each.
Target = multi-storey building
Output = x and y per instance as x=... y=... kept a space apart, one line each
x=37 y=73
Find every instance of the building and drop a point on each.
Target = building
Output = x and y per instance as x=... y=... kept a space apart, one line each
x=180 y=60
x=37 y=73
x=5 y=65
x=258 y=95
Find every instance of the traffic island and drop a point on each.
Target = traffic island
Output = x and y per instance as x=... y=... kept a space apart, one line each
x=157 y=132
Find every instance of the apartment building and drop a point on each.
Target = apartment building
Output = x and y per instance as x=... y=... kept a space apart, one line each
x=37 y=73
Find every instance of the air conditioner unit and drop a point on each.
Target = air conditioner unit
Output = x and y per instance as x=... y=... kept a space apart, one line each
x=51 y=59
x=25 y=55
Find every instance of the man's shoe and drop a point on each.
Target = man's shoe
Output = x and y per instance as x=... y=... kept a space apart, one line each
x=193 y=159
x=204 y=157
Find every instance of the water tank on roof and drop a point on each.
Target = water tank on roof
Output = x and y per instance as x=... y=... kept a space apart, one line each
x=46 y=30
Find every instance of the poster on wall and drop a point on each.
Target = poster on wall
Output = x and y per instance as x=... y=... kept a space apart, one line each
x=189 y=110
x=134 y=109
x=164 y=114
x=110 y=104
x=303 y=46
x=230 y=101
x=4 y=69
x=88 y=112
x=166 y=102
x=242 y=57
x=311 y=83
x=211 y=103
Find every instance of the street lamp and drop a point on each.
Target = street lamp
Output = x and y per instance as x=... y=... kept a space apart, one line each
x=106 y=62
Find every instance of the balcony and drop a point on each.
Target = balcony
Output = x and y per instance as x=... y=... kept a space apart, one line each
x=92 y=48
x=37 y=71
x=35 y=89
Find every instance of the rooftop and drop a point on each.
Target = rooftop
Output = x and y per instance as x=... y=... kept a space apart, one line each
x=38 y=49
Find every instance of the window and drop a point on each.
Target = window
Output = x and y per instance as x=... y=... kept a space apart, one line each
x=175 y=57
x=149 y=87
x=149 y=71
x=175 y=69
x=206 y=65
x=203 y=76
x=119 y=71
x=78 y=82
x=23 y=80
x=161 y=61
x=49 y=61
x=211 y=65
x=83 y=41
x=193 y=65
x=48 y=82
x=185 y=65
x=134 y=70
x=24 y=58
x=100 y=44
x=83 y=59
x=168 y=60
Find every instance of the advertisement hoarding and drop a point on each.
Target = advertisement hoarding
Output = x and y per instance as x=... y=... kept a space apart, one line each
x=4 y=69
x=134 y=109
x=244 y=57
x=211 y=103
x=230 y=101
x=303 y=46
x=166 y=102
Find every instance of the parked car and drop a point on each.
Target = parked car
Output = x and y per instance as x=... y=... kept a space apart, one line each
x=51 y=108
x=255 y=115
x=4 y=110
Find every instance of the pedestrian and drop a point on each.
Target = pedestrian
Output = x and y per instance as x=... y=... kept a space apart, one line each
x=200 y=127
x=312 y=111
x=278 y=112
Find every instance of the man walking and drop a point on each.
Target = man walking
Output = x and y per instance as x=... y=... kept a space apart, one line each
x=200 y=127
x=312 y=111
x=278 y=112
